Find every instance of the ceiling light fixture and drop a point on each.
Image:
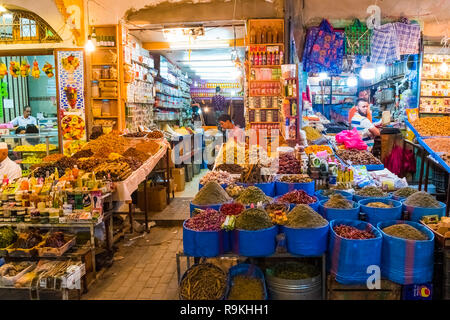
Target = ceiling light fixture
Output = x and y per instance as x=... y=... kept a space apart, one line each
x=90 y=46
x=352 y=81
x=367 y=71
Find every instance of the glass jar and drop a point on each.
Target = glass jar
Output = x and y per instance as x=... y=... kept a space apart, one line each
x=95 y=89
x=105 y=72
x=96 y=73
x=106 y=108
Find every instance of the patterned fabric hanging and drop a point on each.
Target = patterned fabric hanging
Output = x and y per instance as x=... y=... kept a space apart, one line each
x=357 y=39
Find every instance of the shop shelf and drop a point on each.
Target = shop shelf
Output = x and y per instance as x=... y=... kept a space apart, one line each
x=104 y=64
x=264 y=80
x=107 y=80
x=265 y=44
x=439 y=97
x=435 y=79
x=267 y=66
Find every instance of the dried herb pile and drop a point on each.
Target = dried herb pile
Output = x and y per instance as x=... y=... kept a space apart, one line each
x=295 y=270
x=338 y=201
x=371 y=192
x=379 y=205
x=207 y=220
x=303 y=216
x=422 y=199
x=203 y=282
x=246 y=288
x=211 y=193
x=252 y=194
x=353 y=233
x=253 y=219
x=405 y=231
x=405 y=192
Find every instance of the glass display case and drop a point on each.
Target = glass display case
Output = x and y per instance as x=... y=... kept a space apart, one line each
x=48 y=125
x=29 y=149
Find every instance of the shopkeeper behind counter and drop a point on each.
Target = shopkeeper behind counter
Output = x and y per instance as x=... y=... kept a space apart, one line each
x=25 y=119
x=8 y=168
x=365 y=127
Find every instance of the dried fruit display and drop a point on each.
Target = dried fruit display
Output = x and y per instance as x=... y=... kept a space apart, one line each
x=88 y=164
x=135 y=135
x=231 y=168
x=297 y=197
x=149 y=146
x=107 y=143
x=288 y=164
x=221 y=177
x=86 y=153
x=357 y=157
x=156 y=134
x=353 y=233
x=136 y=154
x=296 y=178
x=52 y=157
x=118 y=170
x=432 y=126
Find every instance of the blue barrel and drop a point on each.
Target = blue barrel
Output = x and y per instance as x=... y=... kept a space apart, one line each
x=336 y=213
x=249 y=270
x=357 y=198
x=284 y=187
x=348 y=259
x=203 y=207
x=267 y=187
x=397 y=198
x=306 y=241
x=205 y=243
x=347 y=195
x=314 y=205
x=407 y=261
x=416 y=213
x=258 y=243
x=375 y=215
x=222 y=185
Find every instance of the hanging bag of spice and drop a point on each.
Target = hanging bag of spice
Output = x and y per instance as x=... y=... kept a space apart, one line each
x=350 y=256
x=403 y=260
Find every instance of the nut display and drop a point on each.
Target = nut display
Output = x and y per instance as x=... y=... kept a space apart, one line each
x=432 y=126
x=357 y=157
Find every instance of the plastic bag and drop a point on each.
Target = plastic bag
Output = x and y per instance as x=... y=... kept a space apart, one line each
x=351 y=139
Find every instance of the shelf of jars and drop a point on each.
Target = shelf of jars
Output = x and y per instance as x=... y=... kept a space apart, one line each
x=290 y=111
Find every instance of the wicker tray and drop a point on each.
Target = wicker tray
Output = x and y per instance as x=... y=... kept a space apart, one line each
x=56 y=252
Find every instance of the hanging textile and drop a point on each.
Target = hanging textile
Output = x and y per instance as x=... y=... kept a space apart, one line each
x=324 y=49
x=408 y=37
x=400 y=161
x=384 y=48
x=357 y=39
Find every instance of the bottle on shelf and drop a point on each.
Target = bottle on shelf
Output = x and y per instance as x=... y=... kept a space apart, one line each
x=263 y=35
x=294 y=109
x=281 y=57
x=277 y=58
x=258 y=36
x=264 y=59
x=275 y=35
x=269 y=35
x=253 y=36
x=280 y=36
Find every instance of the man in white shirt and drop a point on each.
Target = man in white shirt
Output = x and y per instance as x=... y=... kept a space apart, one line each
x=365 y=127
x=8 y=167
x=232 y=131
x=26 y=119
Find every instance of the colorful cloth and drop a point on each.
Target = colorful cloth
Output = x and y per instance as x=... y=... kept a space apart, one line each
x=408 y=37
x=384 y=46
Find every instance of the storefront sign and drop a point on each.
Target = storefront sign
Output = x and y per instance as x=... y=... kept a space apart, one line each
x=70 y=87
x=374 y=20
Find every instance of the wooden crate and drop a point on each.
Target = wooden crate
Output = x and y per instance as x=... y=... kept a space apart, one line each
x=337 y=291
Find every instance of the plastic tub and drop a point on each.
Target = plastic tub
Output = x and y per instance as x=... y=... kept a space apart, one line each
x=407 y=261
x=347 y=195
x=357 y=198
x=306 y=241
x=249 y=270
x=259 y=243
x=335 y=213
x=204 y=243
x=416 y=213
x=281 y=188
x=268 y=187
x=203 y=207
x=376 y=215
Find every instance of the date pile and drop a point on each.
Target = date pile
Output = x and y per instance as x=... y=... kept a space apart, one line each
x=357 y=157
x=296 y=178
x=297 y=197
x=288 y=164
x=353 y=233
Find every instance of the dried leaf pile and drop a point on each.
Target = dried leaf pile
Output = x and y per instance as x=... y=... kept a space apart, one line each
x=337 y=201
x=253 y=219
x=211 y=193
x=422 y=199
x=405 y=231
x=303 y=216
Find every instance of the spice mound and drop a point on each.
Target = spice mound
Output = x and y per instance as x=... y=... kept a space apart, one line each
x=297 y=197
x=371 y=192
x=405 y=192
x=234 y=190
x=246 y=288
x=379 y=205
x=295 y=270
x=338 y=201
x=253 y=219
x=288 y=164
x=353 y=233
x=303 y=216
x=207 y=220
x=272 y=207
x=221 y=177
x=211 y=193
x=231 y=168
x=422 y=199
x=360 y=157
x=251 y=195
x=231 y=209
x=405 y=231
x=296 y=178
x=203 y=282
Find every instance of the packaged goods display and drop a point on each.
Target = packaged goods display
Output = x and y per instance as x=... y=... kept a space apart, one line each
x=405 y=192
x=246 y=288
x=221 y=177
x=422 y=199
x=303 y=216
x=207 y=220
x=339 y=202
x=203 y=282
x=350 y=232
x=357 y=157
x=211 y=193
x=251 y=195
x=405 y=231
x=371 y=192
x=296 y=178
x=379 y=205
x=297 y=197
x=253 y=219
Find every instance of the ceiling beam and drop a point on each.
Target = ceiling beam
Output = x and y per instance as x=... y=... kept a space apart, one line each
x=166 y=45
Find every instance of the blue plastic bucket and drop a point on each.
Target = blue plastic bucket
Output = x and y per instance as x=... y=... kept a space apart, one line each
x=222 y=185
x=249 y=270
x=357 y=198
x=306 y=241
x=335 y=213
x=268 y=187
x=349 y=259
x=416 y=213
x=407 y=261
x=314 y=205
x=205 y=243
x=203 y=207
x=259 y=243
x=284 y=187
x=347 y=195
x=376 y=215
